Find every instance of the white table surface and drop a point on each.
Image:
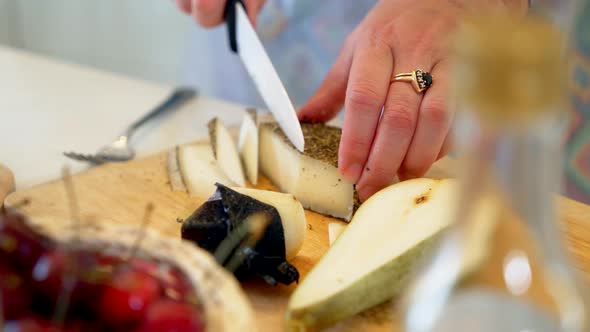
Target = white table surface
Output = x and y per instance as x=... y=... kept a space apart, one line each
x=47 y=107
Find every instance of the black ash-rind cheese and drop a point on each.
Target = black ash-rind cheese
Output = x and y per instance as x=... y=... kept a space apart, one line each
x=223 y=213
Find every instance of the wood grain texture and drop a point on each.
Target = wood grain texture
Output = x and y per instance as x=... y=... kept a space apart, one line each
x=118 y=193
x=6 y=182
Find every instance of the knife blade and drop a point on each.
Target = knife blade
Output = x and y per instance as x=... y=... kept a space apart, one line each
x=260 y=68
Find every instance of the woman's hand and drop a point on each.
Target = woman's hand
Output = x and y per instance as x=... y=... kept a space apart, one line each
x=412 y=131
x=209 y=13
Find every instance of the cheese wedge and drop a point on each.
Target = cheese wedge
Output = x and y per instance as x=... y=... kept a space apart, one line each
x=200 y=170
x=248 y=145
x=174 y=173
x=312 y=176
x=291 y=212
x=372 y=259
x=226 y=152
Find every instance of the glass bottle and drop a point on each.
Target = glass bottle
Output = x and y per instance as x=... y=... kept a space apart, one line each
x=502 y=266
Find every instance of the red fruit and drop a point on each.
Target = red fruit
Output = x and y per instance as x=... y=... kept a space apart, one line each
x=30 y=325
x=176 y=279
x=174 y=284
x=172 y=316
x=47 y=275
x=52 y=268
x=16 y=297
x=19 y=244
x=105 y=260
x=80 y=326
x=125 y=300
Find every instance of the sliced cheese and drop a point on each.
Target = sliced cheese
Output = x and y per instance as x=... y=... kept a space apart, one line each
x=174 y=173
x=199 y=169
x=372 y=259
x=291 y=212
x=312 y=177
x=248 y=145
x=334 y=231
x=226 y=152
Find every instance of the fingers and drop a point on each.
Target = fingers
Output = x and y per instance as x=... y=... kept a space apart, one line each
x=446 y=147
x=253 y=7
x=208 y=13
x=184 y=5
x=329 y=98
x=367 y=87
x=434 y=120
x=394 y=134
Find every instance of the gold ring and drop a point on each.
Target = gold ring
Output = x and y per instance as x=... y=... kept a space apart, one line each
x=421 y=80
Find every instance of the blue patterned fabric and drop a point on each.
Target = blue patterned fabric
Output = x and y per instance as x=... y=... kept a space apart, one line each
x=577 y=163
x=302 y=38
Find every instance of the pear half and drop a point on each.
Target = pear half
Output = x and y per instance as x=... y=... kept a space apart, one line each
x=373 y=258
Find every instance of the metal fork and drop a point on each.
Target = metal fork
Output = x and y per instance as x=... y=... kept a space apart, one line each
x=120 y=150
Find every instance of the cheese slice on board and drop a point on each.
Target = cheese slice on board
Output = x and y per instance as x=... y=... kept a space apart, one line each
x=226 y=152
x=292 y=216
x=312 y=176
x=199 y=169
x=248 y=145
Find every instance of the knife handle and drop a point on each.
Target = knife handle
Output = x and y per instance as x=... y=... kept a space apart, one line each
x=229 y=15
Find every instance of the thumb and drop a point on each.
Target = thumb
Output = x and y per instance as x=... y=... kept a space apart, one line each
x=329 y=98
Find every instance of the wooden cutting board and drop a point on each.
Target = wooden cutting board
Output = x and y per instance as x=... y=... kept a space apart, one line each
x=6 y=182
x=119 y=192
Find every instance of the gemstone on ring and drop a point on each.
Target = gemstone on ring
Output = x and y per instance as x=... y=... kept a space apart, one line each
x=427 y=79
x=424 y=79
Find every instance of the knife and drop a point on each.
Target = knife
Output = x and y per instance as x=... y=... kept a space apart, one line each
x=244 y=41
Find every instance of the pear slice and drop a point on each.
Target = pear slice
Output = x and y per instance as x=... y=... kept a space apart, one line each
x=291 y=212
x=199 y=169
x=334 y=231
x=373 y=258
x=248 y=145
x=226 y=152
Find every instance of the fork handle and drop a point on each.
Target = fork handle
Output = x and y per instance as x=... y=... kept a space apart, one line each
x=178 y=97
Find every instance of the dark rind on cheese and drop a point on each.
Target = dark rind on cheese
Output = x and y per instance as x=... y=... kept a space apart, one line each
x=207 y=226
x=321 y=141
x=212 y=125
x=239 y=207
x=356 y=201
x=223 y=213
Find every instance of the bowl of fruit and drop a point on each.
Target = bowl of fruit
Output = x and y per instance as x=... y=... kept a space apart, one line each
x=105 y=277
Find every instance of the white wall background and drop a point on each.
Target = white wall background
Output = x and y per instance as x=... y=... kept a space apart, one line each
x=146 y=39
